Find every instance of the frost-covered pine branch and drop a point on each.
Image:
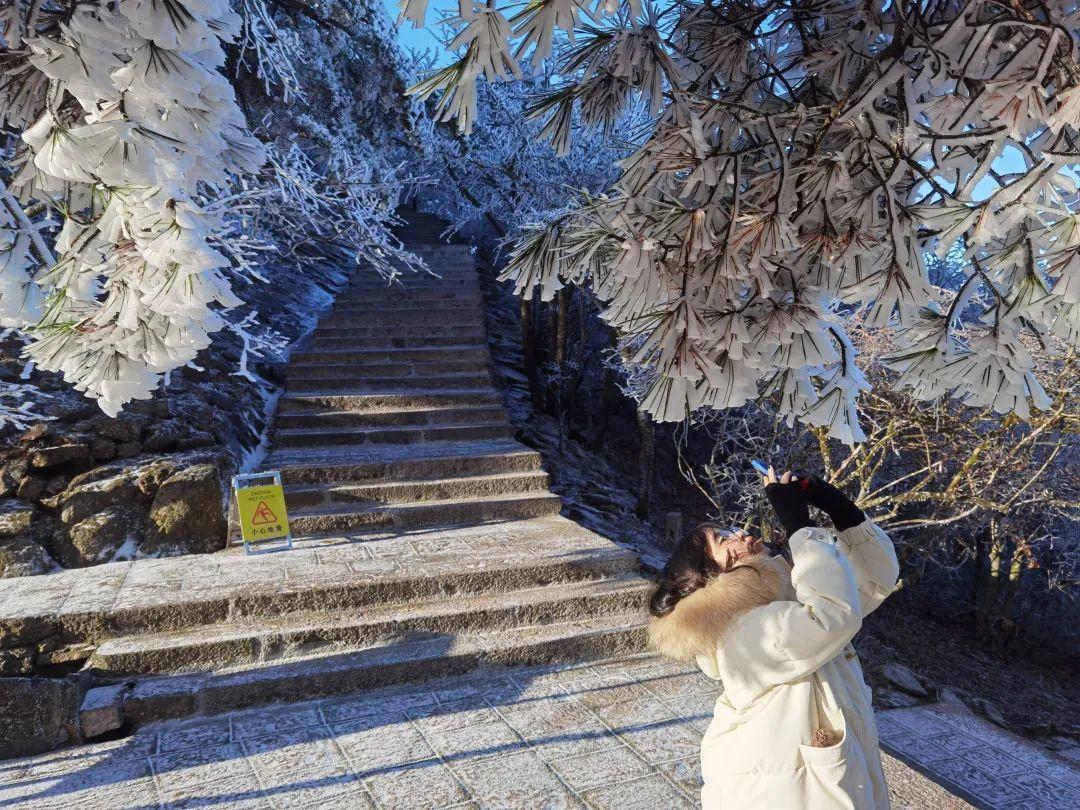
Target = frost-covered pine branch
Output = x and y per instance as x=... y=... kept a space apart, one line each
x=126 y=120
x=17 y=405
x=505 y=171
x=132 y=143
x=256 y=341
x=803 y=161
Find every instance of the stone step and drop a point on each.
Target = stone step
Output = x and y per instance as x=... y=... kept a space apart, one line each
x=379 y=370
x=406 y=661
x=449 y=281
x=443 y=275
x=439 y=267
x=449 y=286
x=439 y=291
x=328 y=435
x=397 y=295
x=390 y=383
x=462 y=318
x=344 y=342
x=423 y=514
x=388 y=462
x=443 y=246
x=372 y=419
x=87 y=606
x=474 y=332
x=362 y=401
x=438 y=489
x=425 y=354
x=386 y=313
x=220 y=646
x=439 y=258
x=405 y=302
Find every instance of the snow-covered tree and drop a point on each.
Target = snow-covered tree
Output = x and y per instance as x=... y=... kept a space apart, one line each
x=125 y=117
x=803 y=160
x=135 y=195
x=505 y=173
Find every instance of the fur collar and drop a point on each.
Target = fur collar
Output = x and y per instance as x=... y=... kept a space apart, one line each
x=698 y=622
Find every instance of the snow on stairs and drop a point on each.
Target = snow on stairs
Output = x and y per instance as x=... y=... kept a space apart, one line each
x=428 y=543
x=424 y=412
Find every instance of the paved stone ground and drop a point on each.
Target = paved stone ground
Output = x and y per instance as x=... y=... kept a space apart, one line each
x=621 y=734
x=978 y=760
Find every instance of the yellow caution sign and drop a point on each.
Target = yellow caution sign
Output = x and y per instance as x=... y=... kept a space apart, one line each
x=261 y=509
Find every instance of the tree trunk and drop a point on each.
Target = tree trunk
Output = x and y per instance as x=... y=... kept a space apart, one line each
x=994 y=580
x=600 y=417
x=560 y=361
x=557 y=353
x=647 y=436
x=581 y=357
x=528 y=351
x=560 y=331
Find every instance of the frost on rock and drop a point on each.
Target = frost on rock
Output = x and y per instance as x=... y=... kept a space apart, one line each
x=802 y=165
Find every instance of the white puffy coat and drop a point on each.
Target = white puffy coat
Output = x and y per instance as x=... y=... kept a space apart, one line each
x=782 y=648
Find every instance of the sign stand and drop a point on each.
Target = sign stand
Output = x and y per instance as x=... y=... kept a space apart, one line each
x=264 y=523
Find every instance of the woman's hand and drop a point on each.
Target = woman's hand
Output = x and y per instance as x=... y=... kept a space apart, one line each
x=787 y=494
x=839 y=507
x=771 y=478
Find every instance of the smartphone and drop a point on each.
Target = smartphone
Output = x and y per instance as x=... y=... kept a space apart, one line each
x=761 y=467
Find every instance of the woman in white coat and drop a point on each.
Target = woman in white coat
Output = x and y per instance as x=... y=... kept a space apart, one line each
x=794 y=729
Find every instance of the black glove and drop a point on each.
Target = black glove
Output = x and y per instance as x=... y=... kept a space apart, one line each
x=790 y=504
x=838 y=506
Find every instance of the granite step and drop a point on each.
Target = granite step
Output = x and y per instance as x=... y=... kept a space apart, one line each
x=407 y=661
x=363 y=370
x=399 y=294
x=407 y=299
x=343 y=341
x=454 y=270
x=449 y=281
x=404 y=491
x=363 y=401
x=384 y=463
x=399 y=517
x=389 y=383
x=228 y=644
x=392 y=418
x=327 y=435
x=424 y=331
x=425 y=354
x=419 y=317
x=390 y=311
x=87 y=606
x=454 y=276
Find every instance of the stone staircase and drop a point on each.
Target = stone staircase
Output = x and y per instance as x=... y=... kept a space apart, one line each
x=427 y=542
x=534 y=592
x=390 y=420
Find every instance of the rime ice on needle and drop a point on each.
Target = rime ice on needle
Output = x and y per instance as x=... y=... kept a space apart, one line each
x=126 y=117
x=801 y=165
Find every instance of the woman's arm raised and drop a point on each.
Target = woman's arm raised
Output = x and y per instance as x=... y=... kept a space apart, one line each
x=784 y=641
x=870 y=550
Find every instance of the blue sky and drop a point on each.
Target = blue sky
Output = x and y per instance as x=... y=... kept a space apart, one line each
x=419 y=38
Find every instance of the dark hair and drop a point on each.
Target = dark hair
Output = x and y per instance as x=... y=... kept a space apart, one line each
x=691 y=566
